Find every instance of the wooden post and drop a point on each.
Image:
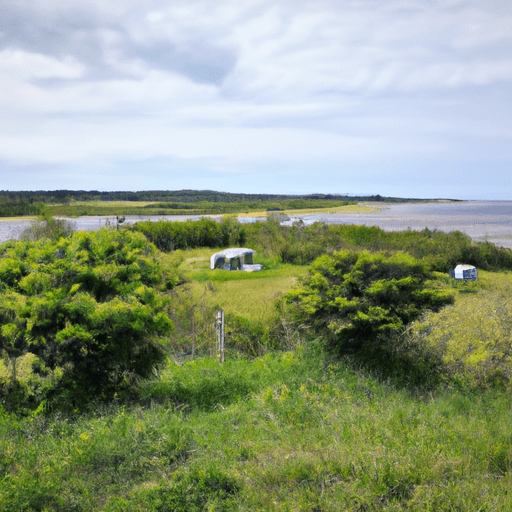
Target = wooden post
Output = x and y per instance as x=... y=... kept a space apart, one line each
x=219 y=325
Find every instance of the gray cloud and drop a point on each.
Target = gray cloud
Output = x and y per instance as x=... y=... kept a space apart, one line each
x=198 y=60
x=102 y=44
x=63 y=34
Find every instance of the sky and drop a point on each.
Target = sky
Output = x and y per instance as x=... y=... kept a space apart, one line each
x=403 y=98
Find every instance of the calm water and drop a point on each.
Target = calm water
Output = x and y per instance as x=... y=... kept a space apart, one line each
x=481 y=220
x=480 y=208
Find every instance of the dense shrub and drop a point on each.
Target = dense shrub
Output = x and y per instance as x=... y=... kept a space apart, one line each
x=475 y=334
x=169 y=235
x=11 y=207
x=296 y=244
x=360 y=302
x=301 y=244
x=86 y=308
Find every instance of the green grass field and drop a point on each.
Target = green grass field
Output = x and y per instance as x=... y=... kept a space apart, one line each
x=351 y=208
x=95 y=207
x=249 y=294
x=284 y=432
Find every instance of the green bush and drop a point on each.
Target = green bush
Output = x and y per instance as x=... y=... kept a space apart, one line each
x=361 y=302
x=170 y=235
x=87 y=308
x=300 y=244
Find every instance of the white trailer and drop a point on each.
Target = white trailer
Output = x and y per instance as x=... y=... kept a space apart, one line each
x=236 y=258
x=466 y=272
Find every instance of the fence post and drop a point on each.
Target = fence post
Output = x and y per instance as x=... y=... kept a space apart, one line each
x=219 y=325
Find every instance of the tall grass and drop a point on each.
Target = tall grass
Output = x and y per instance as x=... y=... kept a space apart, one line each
x=475 y=334
x=255 y=320
x=290 y=431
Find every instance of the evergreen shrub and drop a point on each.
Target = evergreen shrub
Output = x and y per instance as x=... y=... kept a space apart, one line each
x=87 y=308
x=360 y=303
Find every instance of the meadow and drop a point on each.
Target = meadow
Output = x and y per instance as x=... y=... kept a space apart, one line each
x=283 y=424
x=291 y=431
x=475 y=333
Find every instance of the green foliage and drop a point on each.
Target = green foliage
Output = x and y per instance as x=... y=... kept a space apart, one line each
x=16 y=206
x=297 y=244
x=169 y=236
x=204 y=384
x=187 y=491
x=289 y=431
x=300 y=244
x=87 y=308
x=360 y=302
x=191 y=196
x=54 y=463
x=474 y=335
x=296 y=430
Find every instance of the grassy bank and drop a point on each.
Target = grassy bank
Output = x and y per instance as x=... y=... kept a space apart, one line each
x=290 y=431
x=351 y=208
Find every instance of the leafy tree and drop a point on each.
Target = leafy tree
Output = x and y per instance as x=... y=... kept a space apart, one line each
x=360 y=301
x=87 y=307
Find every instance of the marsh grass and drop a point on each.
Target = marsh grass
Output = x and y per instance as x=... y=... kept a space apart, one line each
x=474 y=334
x=183 y=206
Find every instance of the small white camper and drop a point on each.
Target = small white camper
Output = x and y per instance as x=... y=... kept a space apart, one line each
x=466 y=272
x=236 y=258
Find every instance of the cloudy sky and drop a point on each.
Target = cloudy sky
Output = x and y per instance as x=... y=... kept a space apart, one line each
x=409 y=98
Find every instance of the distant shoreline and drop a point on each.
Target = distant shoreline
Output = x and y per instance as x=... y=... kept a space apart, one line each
x=481 y=220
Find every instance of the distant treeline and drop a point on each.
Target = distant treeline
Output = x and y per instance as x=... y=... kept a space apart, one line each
x=17 y=206
x=180 y=196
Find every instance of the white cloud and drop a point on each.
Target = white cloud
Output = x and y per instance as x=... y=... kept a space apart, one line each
x=29 y=66
x=342 y=80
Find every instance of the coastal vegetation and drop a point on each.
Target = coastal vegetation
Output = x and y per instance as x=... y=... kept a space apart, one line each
x=300 y=244
x=86 y=311
x=358 y=375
